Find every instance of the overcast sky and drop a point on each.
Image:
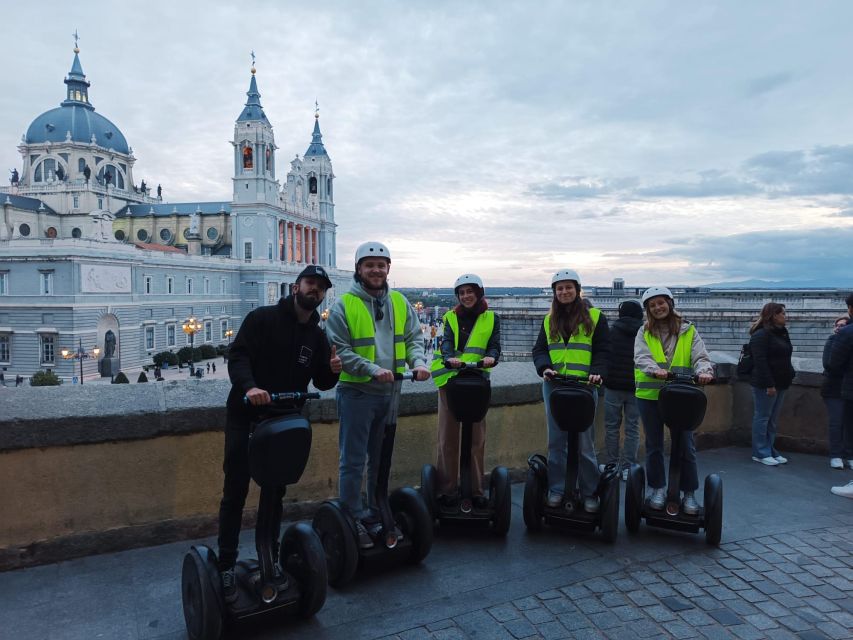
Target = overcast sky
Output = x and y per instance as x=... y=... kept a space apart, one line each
x=662 y=142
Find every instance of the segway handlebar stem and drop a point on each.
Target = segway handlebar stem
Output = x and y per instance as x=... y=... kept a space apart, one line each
x=406 y=375
x=684 y=377
x=289 y=396
x=465 y=365
x=560 y=377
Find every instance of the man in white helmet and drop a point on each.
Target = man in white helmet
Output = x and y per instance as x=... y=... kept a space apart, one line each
x=377 y=333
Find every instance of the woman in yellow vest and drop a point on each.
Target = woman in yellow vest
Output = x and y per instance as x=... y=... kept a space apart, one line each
x=666 y=343
x=471 y=333
x=574 y=339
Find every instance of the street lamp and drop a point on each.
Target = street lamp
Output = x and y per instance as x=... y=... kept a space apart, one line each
x=228 y=334
x=191 y=327
x=419 y=308
x=81 y=354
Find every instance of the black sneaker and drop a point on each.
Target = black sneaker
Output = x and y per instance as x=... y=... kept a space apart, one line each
x=448 y=503
x=229 y=584
x=481 y=502
x=364 y=539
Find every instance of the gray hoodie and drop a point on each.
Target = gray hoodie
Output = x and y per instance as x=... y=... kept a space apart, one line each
x=644 y=361
x=338 y=333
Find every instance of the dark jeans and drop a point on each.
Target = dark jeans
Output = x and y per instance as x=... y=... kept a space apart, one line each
x=655 y=470
x=847 y=426
x=235 y=490
x=834 y=408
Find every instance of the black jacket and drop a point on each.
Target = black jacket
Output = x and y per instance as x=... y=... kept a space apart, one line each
x=841 y=360
x=620 y=367
x=273 y=352
x=771 y=356
x=600 y=349
x=831 y=387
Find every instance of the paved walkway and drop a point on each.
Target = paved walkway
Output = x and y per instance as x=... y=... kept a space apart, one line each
x=784 y=570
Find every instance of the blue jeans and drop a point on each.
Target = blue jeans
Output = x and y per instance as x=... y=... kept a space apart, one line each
x=655 y=469
x=617 y=401
x=558 y=445
x=836 y=432
x=765 y=422
x=362 y=419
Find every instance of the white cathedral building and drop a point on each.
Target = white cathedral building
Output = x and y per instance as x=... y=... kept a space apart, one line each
x=85 y=251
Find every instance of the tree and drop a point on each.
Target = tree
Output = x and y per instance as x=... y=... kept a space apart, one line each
x=142 y=377
x=121 y=378
x=45 y=379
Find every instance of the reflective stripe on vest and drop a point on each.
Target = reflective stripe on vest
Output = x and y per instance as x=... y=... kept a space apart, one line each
x=474 y=349
x=572 y=358
x=362 y=331
x=648 y=387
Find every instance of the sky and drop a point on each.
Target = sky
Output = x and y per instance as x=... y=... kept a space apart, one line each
x=659 y=142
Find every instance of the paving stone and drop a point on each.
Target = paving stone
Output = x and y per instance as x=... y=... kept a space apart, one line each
x=743 y=555
x=812 y=634
x=812 y=616
x=552 y=594
x=642 y=598
x=753 y=595
x=659 y=613
x=646 y=628
x=706 y=603
x=451 y=633
x=834 y=630
x=842 y=584
x=627 y=613
x=661 y=590
x=598 y=585
x=773 y=608
x=520 y=628
x=553 y=631
x=644 y=577
x=563 y=605
x=740 y=607
x=604 y=620
x=420 y=633
x=722 y=593
x=575 y=591
x=587 y=634
x=794 y=623
x=718 y=572
x=820 y=603
x=613 y=599
x=621 y=633
x=689 y=590
x=767 y=587
x=819 y=571
x=761 y=621
x=526 y=603
x=798 y=590
x=538 y=616
x=672 y=577
x=590 y=605
x=788 y=567
x=725 y=617
x=696 y=618
x=680 y=630
x=714 y=632
x=831 y=562
x=441 y=624
x=747 y=632
x=574 y=621
x=807 y=579
x=734 y=583
x=786 y=600
x=676 y=604
x=480 y=624
x=704 y=579
x=504 y=612
x=626 y=584
x=759 y=565
x=747 y=574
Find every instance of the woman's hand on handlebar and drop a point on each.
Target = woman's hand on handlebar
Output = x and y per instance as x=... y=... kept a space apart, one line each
x=705 y=378
x=454 y=363
x=661 y=373
x=384 y=375
x=548 y=373
x=258 y=397
x=488 y=361
x=595 y=378
x=421 y=373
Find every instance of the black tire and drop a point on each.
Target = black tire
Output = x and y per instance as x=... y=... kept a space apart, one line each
x=303 y=557
x=429 y=487
x=713 y=509
x=500 y=497
x=201 y=593
x=635 y=496
x=533 y=498
x=339 y=543
x=412 y=516
x=610 y=511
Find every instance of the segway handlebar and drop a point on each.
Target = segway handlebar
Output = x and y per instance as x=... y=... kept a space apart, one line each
x=406 y=375
x=465 y=365
x=560 y=377
x=289 y=396
x=684 y=377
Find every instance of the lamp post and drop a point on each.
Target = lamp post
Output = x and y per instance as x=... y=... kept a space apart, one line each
x=419 y=308
x=81 y=354
x=191 y=327
x=228 y=334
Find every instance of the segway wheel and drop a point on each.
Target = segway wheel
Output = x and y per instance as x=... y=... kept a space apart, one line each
x=610 y=511
x=635 y=496
x=713 y=509
x=429 y=487
x=412 y=516
x=339 y=544
x=302 y=556
x=533 y=498
x=201 y=592
x=500 y=496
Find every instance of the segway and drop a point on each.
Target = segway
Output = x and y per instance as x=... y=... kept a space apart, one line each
x=288 y=579
x=468 y=396
x=403 y=512
x=682 y=407
x=572 y=404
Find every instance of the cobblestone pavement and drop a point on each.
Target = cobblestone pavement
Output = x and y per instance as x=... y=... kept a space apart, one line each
x=784 y=586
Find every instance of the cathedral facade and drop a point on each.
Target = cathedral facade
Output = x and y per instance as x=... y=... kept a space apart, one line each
x=89 y=258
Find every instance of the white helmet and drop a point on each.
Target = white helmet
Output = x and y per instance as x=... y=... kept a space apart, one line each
x=371 y=250
x=565 y=274
x=653 y=292
x=468 y=278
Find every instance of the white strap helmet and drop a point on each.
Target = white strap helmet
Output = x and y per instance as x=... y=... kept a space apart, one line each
x=467 y=278
x=566 y=274
x=371 y=249
x=653 y=292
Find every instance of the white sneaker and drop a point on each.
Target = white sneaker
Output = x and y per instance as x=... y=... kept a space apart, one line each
x=781 y=459
x=554 y=499
x=601 y=468
x=836 y=463
x=850 y=464
x=689 y=504
x=624 y=475
x=657 y=499
x=846 y=490
x=769 y=461
x=590 y=504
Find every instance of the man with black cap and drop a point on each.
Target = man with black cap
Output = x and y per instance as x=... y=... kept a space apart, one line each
x=619 y=395
x=278 y=348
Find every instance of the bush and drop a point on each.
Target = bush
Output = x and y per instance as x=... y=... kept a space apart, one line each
x=165 y=357
x=121 y=378
x=142 y=377
x=207 y=351
x=221 y=349
x=184 y=354
x=197 y=354
x=45 y=379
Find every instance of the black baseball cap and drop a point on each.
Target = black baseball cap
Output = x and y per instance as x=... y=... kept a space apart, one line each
x=318 y=272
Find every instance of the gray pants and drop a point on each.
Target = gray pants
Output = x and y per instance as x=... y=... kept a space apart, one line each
x=617 y=402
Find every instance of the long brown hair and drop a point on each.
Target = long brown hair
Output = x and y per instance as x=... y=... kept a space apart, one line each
x=566 y=319
x=670 y=325
x=765 y=318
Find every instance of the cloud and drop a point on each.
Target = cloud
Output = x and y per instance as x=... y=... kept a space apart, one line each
x=710 y=183
x=768 y=83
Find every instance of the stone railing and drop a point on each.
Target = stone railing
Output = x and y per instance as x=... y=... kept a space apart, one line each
x=89 y=469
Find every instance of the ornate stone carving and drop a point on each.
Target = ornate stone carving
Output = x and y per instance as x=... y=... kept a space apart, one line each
x=97 y=278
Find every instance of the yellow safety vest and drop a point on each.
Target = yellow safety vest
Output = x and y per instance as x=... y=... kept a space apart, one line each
x=362 y=332
x=474 y=349
x=648 y=387
x=572 y=358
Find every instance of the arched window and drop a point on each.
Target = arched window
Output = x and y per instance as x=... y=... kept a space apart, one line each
x=281 y=236
x=328 y=187
x=247 y=157
x=81 y=165
x=111 y=174
x=48 y=170
x=268 y=159
x=312 y=185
